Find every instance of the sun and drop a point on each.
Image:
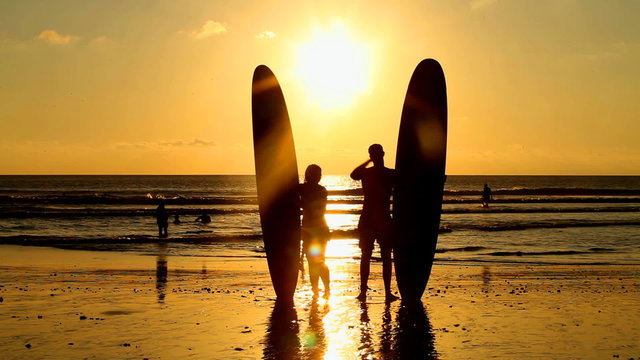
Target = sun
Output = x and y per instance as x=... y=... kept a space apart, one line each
x=333 y=67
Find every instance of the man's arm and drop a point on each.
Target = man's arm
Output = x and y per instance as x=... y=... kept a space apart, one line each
x=356 y=174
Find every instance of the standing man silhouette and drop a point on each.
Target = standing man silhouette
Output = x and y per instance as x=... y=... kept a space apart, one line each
x=375 y=220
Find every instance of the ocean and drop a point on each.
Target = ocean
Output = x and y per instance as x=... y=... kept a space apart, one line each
x=532 y=220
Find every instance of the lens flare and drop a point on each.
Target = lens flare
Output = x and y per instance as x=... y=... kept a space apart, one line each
x=315 y=250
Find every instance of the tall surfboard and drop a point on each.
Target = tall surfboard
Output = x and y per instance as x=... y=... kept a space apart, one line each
x=277 y=181
x=420 y=176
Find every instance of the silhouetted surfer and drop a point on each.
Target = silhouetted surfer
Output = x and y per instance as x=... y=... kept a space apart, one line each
x=162 y=218
x=315 y=232
x=375 y=220
x=176 y=219
x=486 y=195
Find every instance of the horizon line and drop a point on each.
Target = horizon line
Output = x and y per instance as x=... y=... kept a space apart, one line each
x=80 y=174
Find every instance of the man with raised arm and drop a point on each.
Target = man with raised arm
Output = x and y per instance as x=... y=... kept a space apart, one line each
x=375 y=220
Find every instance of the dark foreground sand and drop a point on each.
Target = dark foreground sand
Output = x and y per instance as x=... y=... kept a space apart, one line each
x=68 y=304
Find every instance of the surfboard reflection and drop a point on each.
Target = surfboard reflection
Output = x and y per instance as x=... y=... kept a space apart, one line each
x=413 y=337
x=282 y=340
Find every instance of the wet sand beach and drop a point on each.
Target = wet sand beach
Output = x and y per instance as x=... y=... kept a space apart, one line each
x=105 y=304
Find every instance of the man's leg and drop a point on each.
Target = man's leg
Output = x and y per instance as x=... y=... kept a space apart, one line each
x=365 y=263
x=387 y=269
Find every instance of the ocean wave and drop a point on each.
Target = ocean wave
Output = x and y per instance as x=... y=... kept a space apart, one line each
x=462 y=249
x=543 y=253
x=76 y=213
x=549 y=191
x=105 y=199
x=126 y=239
x=56 y=212
x=353 y=196
x=192 y=237
x=147 y=245
x=519 y=191
x=550 y=225
x=532 y=262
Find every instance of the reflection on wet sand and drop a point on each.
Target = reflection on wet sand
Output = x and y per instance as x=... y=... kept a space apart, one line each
x=486 y=275
x=375 y=331
x=314 y=338
x=282 y=340
x=365 y=350
x=413 y=337
x=386 y=340
x=161 y=272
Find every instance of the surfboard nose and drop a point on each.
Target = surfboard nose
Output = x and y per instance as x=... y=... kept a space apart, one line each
x=263 y=80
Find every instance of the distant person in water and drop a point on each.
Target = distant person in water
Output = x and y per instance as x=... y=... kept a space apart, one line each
x=162 y=218
x=204 y=218
x=486 y=196
x=315 y=232
x=375 y=219
x=176 y=219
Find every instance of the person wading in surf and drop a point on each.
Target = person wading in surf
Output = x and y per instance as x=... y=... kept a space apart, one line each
x=486 y=195
x=375 y=220
x=162 y=218
x=315 y=232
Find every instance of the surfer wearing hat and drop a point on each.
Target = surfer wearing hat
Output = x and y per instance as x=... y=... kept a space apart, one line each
x=315 y=232
x=375 y=219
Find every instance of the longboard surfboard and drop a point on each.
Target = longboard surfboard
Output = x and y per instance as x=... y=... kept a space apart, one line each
x=420 y=176
x=277 y=181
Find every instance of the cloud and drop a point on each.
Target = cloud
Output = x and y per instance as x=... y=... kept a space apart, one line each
x=55 y=38
x=101 y=43
x=267 y=35
x=101 y=40
x=159 y=145
x=132 y=146
x=195 y=142
x=208 y=29
x=608 y=51
x=479 y=4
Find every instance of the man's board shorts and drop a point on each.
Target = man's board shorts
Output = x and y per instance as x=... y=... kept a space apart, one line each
x=374 y=229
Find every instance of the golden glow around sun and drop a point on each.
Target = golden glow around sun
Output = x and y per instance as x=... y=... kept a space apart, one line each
x=333 y=67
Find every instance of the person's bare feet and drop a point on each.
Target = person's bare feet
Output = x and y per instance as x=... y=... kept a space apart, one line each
x=362 y=296
x=389 y=297
x=327 y=293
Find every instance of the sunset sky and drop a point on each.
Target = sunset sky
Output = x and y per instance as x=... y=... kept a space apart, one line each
x=164 y=86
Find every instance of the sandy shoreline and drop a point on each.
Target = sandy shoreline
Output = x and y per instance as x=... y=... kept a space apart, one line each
x=83 y=304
